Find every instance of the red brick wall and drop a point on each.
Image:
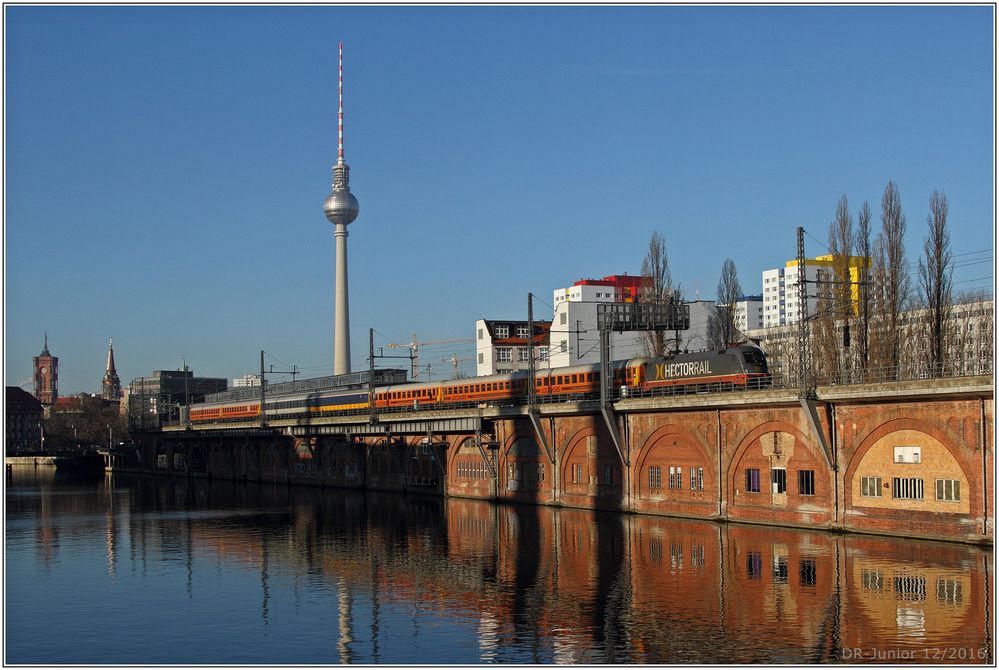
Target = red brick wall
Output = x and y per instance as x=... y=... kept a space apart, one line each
x=690 y=438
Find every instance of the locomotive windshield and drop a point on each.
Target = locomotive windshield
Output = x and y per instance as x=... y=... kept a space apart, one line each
x=754 y=358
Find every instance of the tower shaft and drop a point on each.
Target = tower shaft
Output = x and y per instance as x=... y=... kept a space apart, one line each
x=341 y=310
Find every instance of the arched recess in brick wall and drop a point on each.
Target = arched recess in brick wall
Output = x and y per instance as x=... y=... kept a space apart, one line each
x=581 y=474
x=461 y=449
x=464 y=461
x=789 y=450
x=524 y=464
x=274 y=459
x=939 y=458
x=673 y=445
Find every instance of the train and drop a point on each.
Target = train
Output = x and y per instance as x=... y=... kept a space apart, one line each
x=736 y=367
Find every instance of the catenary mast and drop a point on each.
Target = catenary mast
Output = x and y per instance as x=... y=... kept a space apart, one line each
x=341 y=209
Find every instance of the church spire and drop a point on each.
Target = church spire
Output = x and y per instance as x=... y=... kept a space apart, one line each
x=111 y=385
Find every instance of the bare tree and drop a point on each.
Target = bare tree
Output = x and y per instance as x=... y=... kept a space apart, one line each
x=863 y=247
x=836 y=304
x=892 y=276
x=935 y=276
x=659 y=291
x=722 y=331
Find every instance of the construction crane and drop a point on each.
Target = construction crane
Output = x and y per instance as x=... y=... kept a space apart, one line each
x=455 y=361
x=415 y=345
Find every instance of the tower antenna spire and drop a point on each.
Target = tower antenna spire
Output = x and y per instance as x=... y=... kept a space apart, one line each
x=339 y=151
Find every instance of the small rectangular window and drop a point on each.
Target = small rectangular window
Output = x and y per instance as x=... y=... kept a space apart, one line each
x=753 y=480
x=949 y=490
x=806 y=482
x=778 y=478
x=754 y=565
x=870 y=487
x=807 y=571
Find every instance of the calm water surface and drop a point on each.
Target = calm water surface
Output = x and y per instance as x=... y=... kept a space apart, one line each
x=155 y=570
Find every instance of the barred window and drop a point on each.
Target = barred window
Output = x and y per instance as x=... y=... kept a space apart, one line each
x=753 y=480
x=907 y=488
x=910 y=587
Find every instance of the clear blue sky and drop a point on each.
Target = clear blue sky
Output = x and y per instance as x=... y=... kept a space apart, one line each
x=166 y=166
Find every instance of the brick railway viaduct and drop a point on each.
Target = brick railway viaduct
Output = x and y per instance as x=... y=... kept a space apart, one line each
x=758 y=456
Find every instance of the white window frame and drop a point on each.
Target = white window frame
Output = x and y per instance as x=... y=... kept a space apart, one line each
x=948 y=490
x=870 y=487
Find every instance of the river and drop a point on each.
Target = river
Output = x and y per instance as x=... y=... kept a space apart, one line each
x=153 y=570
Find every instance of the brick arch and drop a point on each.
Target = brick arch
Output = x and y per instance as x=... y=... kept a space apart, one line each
x=753 y=436
x=572 y=444
x=943 y=436
x=456 y=444
x=516 y=435
x=639 y=483
x=454 y=447
x=529 y=484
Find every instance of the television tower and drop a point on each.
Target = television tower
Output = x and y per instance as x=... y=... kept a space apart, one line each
x=341 y=209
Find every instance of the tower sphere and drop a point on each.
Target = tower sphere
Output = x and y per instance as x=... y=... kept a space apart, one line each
x=341 y=207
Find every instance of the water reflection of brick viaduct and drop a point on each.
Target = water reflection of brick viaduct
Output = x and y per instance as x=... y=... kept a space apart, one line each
x=673 y=590
x=849 y=461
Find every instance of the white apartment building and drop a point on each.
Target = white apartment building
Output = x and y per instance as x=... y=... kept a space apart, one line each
x=780 y=287
x=246 y=381
x=503 y=346
x=780 y=294
x=749 y=313
x=576 y=340
x=572 y=337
